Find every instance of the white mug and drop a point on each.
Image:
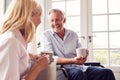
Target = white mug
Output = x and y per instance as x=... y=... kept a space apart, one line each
x=81 y=52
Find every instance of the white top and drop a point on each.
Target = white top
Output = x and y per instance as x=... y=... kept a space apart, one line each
x=13 y=56
x=50 y=41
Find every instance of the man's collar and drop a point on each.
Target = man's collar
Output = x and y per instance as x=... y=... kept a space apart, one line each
x=67 y=32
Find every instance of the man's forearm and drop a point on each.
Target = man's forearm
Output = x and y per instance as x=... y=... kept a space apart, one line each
x=75 y=60
x=65 y=60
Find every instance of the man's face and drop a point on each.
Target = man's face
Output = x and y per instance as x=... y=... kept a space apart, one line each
x=56 y=21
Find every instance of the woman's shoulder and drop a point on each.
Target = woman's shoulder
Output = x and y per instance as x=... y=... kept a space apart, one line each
x=7 y=37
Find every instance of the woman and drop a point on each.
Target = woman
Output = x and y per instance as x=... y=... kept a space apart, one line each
x=17 y=29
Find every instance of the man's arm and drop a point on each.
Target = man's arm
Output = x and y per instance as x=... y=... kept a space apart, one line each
x=75 y=60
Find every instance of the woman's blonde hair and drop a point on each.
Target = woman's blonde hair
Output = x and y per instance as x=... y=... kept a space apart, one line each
x=18 y=17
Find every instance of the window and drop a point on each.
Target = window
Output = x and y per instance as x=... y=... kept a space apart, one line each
x=102 y=20
x=106 y=28
x=1 y=8
x=72 y=12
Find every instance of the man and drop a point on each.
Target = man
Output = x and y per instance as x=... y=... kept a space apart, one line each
x=63 y=43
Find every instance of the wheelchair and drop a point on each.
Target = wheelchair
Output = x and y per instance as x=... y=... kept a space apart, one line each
x=62 y=73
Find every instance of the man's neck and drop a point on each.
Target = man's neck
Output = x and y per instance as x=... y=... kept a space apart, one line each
x=61 y=34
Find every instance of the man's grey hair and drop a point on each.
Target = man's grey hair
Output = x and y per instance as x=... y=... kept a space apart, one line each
x=57 y=10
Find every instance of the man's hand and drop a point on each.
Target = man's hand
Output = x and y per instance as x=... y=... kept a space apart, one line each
x=81 y=60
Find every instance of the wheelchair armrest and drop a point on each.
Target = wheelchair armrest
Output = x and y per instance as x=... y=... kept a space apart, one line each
x=93 y=64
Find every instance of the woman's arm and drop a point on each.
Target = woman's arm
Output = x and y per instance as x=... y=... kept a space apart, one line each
x=39 y=65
